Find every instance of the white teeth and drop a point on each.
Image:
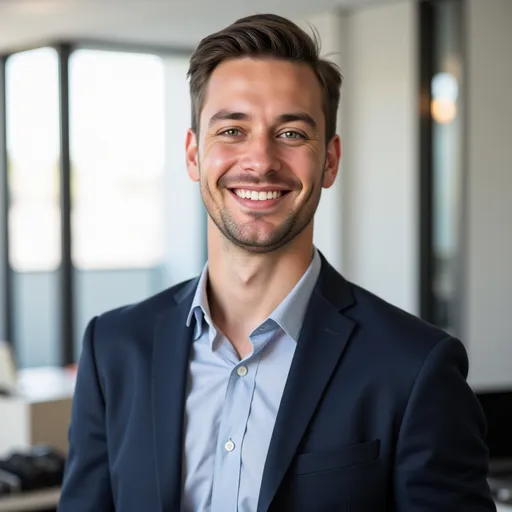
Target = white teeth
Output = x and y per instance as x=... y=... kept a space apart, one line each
x=257 y=196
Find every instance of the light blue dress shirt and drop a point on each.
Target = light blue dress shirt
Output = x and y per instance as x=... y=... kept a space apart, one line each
x=232 y=404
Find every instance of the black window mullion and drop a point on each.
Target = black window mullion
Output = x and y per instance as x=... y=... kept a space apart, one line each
x=427 y=52
x=66 y=268
x=6 y=331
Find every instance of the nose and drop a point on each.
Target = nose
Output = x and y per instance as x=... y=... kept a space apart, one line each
x=260 y=155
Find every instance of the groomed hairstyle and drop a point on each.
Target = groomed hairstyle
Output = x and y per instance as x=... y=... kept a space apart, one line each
x=264 y=35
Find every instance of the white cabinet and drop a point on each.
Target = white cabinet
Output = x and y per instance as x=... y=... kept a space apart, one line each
x=38 y=411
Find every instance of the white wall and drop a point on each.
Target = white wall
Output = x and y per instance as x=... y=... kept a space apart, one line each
x=382 y=179
x=368 y=222
x=488 y=295
x=185 y=244
x=333 y=29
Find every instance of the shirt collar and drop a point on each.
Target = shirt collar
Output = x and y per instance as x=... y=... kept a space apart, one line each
x=200 y=308
x=289 y=315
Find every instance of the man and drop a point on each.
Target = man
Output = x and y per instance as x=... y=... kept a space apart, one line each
x=270 y=383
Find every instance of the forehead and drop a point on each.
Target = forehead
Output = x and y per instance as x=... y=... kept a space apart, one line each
x=263 y=85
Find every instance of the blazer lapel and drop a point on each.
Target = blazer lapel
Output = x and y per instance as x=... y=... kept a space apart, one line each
x=171 y=350
x=322 y=341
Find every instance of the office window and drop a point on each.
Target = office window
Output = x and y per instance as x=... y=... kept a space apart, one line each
x=117 y=134
x=33 y=160
x=32 y=101
x=117 y=159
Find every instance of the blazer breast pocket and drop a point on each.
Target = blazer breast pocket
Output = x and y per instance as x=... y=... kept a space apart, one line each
x=338 y=458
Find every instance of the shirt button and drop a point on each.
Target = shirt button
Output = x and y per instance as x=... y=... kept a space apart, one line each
x=229 y=446
x=242 y=371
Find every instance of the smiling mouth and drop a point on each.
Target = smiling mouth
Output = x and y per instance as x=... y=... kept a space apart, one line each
x=259 y=195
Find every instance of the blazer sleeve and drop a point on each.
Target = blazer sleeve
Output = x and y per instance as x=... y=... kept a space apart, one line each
x=442 y=460
x=86 y=485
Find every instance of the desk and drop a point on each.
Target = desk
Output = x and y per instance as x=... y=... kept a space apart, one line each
x=38 y=411
x=31 y=501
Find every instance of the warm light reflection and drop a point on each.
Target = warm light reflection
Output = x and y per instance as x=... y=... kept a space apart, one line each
x=443 y=110
x=445 y=91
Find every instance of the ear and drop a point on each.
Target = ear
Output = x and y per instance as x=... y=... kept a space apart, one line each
x=191 y=155
x=332 y=161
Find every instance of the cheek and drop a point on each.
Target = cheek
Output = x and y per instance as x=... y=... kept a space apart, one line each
x=305 y=164
x=217 y=160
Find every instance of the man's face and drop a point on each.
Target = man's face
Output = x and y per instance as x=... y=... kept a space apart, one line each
x=261 y=158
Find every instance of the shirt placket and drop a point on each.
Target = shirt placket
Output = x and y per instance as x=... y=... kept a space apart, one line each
x=234 y=417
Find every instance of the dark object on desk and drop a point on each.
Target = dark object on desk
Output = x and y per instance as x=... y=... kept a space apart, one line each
x=5 y=488
x=40 y=467
x=9 y=483
x=497 y=407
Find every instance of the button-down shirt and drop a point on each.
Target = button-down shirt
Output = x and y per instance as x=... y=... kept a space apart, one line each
x=232 y=404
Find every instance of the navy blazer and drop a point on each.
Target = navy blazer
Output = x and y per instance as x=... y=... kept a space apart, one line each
x=376 y=414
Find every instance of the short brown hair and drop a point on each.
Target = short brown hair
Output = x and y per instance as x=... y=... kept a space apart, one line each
x=264 y=35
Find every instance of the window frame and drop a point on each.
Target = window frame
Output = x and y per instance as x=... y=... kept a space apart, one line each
x=66 y=271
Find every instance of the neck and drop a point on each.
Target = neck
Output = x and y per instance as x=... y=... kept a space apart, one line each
x=244 y=288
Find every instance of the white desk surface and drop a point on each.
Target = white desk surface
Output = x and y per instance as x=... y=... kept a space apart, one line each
x=30 y=501
x=37 y=410
x=44 y=384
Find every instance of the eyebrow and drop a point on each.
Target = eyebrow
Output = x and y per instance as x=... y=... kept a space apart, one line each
x=228 y=115
x=297 y=116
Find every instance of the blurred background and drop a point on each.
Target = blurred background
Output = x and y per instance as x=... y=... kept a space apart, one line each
x=97 y=211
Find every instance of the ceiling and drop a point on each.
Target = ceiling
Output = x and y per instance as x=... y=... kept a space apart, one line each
x=177 y=23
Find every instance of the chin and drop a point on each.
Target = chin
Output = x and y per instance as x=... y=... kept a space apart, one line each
x=259 y=244
x=259 y=249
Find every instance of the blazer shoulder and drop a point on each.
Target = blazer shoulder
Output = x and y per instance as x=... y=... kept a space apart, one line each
x=393 y=327
x=151 y=306
x=397 y=346
x=137 y=320
x=381 y=326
